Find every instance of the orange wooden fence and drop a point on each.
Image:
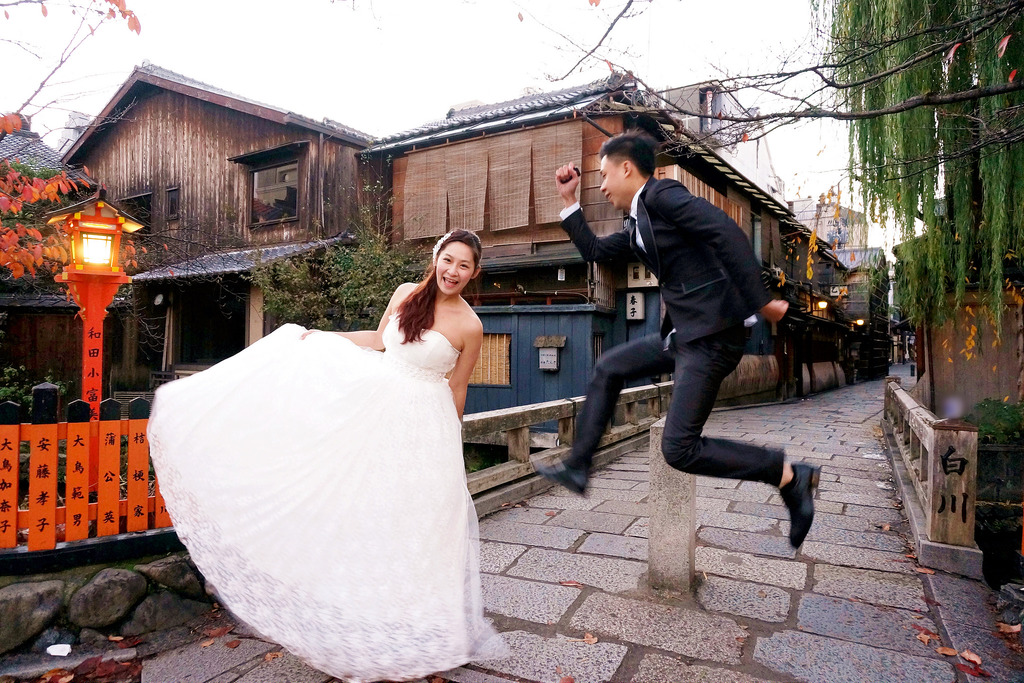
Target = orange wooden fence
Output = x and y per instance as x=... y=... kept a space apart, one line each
x=84 y=479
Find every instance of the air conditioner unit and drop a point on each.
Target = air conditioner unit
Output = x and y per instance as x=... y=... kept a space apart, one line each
x=639 y=275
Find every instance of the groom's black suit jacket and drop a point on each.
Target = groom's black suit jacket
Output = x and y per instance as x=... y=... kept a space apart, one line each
x=708 y=275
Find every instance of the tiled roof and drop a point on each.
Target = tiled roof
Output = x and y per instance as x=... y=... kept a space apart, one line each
x=237 y=261
x=539 y=102
x=28 y=148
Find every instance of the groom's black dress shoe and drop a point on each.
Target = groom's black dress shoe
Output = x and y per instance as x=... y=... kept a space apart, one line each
x=798 y=495
x=572 y=478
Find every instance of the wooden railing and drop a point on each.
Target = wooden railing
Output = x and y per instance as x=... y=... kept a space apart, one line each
x=86 y=479
x=94 y=479
x=515 y=423
x=941 y=457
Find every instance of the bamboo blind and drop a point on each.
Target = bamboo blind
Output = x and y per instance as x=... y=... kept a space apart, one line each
x=508 y=180
x=495 y=363
x=425 y=212
x=553 y=146
x=465 y=168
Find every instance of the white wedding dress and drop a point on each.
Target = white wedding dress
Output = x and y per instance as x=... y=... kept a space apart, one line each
x=320 y=489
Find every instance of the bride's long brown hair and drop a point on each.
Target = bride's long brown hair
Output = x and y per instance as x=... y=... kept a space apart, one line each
x=416 y=313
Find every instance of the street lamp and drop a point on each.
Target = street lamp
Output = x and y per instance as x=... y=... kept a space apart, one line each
x=823 y=304
x=93 y=277
x=860 y=321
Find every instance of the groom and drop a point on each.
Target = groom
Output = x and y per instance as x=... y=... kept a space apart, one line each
x=710 y=282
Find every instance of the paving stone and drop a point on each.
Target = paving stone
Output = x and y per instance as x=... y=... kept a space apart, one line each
x=529 y=534
x=731 y=520
x=567 y=502
x=963 y=601
x=684 y=631
x=464 y=675
x=754 y=600
x=643 y=486
x=529 y=600
x=640 y=528
x=857 y=557
x=756 y=544
x=716 y=483
x=875 y=541
x=866 y=624
x=761 y=510
x=657 y=668
x=713 y=504
x=628 y=467
x=589 y=520
x=804 y=454
x=619 y=546
x=879 y=515
x=758 y=487
x=733 y=494
x=817 y=659
x=288 y=668
x=877 y=468
x=624 y=475
x=844 y=522
x=528 y=515
x=610 y=574
x=606 y=483
x=880 y=499
x=996 y=658
x=549 y=660
x=195 y=664
x=880 y=588
x=623 y=507
x=857 y=485
x=635 y=458
x=496 y=557
x=782 y=573
x=597 y=495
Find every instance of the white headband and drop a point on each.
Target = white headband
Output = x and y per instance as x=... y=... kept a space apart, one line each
x=437 y=245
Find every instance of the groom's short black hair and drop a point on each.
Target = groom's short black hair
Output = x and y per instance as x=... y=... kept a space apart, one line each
x=636 y=146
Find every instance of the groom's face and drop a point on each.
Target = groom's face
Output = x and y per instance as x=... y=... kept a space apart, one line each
x=615 y=185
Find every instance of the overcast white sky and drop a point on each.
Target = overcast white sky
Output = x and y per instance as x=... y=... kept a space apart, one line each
x=384 y=66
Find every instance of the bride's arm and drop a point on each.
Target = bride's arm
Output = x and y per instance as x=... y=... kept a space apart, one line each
x=459 y=380
x=374 y=339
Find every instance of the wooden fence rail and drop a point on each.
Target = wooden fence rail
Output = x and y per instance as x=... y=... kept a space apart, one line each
x=94 y=479
x=942 y=458
x=85 y=479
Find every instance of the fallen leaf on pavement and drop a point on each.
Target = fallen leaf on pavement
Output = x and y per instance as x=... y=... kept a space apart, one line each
x=886 y=527
x=917 y=616
x=66 y=679
x=571 y=584
x=1008 y=628
x=947 y=651
x=207 y=643
x=217 y=632
x=924 y=638
x=271 y=656
x=550 y=513
x=935 y=603
x=972 y=670
x=233 y=644
x=567 y=679
x=924 y=570
x=971 y=657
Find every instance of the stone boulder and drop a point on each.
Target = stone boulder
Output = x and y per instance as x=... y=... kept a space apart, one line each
x=53 y=636
x=175 y=573
x=107 y=598
x=27 y=609
x=162 y=610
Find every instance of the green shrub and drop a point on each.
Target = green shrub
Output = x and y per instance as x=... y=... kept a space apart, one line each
x=16 y=385
x=998 y=422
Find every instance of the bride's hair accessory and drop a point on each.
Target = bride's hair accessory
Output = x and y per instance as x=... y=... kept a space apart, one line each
x=440 y=243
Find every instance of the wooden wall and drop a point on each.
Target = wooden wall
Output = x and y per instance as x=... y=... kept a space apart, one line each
x=170 y=140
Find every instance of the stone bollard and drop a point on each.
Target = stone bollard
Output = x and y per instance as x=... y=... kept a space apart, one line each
x=673 y=525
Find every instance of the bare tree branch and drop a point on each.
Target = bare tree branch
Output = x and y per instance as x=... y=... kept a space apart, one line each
x=592 y=50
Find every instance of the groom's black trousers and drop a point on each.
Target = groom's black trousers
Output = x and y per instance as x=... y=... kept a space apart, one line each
x=698 y=368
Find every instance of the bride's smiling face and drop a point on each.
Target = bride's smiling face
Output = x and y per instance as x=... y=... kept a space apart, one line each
x=456 y=266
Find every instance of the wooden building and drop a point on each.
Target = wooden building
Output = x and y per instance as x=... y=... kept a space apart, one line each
x=547 y=315
x=220 y=182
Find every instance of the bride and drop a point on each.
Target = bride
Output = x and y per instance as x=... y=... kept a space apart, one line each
x=319 y=485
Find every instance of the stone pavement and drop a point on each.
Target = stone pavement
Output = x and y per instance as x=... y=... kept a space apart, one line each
x=565 y=579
